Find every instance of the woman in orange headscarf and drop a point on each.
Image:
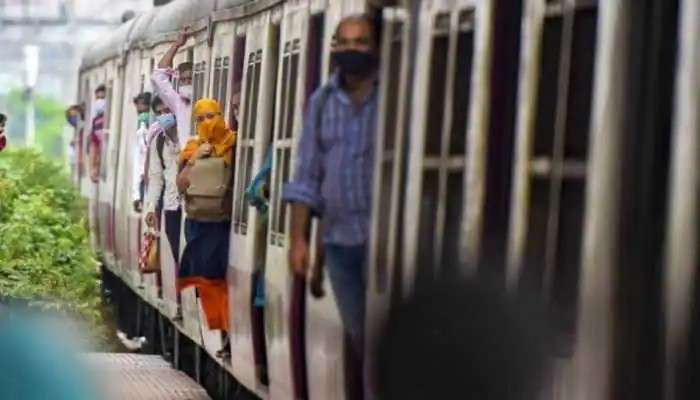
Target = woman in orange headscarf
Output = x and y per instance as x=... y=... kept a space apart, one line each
x=205 y=258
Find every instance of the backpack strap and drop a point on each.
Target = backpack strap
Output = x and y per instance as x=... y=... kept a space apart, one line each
x=160 y=144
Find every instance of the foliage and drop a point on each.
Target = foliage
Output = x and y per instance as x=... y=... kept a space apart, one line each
x=50 y=120
x=45 y=257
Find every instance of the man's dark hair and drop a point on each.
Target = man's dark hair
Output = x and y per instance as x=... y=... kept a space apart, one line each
x=144 y=97
x=101 y=88
x=463 y=339
x=3 y=118
x=186 y=66
x=156 y=102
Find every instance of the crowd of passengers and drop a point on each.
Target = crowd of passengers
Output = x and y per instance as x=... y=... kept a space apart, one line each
x=175 y=169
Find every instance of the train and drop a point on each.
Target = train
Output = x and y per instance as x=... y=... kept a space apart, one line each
x=552 y=145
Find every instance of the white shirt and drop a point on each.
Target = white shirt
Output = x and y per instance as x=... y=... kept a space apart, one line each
x=177 y=105
x=157 y=175
x=138 y=161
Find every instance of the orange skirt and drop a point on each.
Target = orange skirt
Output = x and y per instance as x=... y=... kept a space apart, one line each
x=213 y=293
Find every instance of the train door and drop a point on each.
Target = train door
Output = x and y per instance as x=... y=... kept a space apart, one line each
x=168 y=279
x=290 y=99
x=324 y=339
x=125 y=212
x=218 y=68
x=94 y=203
x=188 y=297
x=444 y=194
x=105 y=193
x=83 y=158
x=123 y=173
x=551 y=161
x=384 y=258
x=255 y=131
x=114 y=155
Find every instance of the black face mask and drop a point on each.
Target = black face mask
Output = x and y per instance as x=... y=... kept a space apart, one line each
x=353 y=62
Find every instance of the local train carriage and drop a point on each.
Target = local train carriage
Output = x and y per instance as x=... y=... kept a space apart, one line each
x=551 y=144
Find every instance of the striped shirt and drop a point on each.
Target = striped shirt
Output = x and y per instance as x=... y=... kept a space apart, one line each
x=334 y=166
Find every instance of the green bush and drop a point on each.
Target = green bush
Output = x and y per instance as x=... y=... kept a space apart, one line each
x=45 y=256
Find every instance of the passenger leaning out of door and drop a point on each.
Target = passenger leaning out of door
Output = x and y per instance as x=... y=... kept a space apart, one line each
x=97 y=131
x=206 y=183
x=334 y=175
x=142 y=102
x=3 y=139
x=179 y=102
x=75 y=117
x=161 y=164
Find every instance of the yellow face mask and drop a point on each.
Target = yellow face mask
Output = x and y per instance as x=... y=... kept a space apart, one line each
x=212 y=130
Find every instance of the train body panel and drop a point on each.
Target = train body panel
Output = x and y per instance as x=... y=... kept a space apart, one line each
x=260 y=66
x=289 y=97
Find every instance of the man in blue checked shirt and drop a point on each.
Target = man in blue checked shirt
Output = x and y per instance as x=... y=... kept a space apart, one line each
x=334 y=172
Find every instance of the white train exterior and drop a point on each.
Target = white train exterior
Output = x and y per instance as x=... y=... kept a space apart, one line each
x=551 y=143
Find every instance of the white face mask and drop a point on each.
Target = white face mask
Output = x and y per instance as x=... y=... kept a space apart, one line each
x=186 y=92
x=100 y=105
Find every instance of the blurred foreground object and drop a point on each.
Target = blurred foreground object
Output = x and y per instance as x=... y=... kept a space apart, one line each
x=38 y=361
x=463 y=340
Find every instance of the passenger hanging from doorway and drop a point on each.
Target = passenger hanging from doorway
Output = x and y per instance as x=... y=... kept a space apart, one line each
x=3 y=138
x=142 y=102
x=161 y=189
x=206 y=183
x=334 y=178
x=258 y=195
x=99 y=107
x=75 y=117
x=179 y=102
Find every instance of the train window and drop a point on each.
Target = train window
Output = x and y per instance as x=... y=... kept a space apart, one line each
x=579 y=107
x=237 y=79
x=283 y=142
x=560 y=148
x=223 y=88
x=314 y=53
x=104 y=149
x=462 y=83
x=548 y=86
x=437 y=85
x=444 y=162
x=198 y=87
x=393 y=54
x=220 y=82
x=108 y=107
x=246 y=140
x=216 y=80
x=293 y=73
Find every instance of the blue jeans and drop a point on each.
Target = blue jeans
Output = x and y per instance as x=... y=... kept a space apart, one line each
x=346 y=270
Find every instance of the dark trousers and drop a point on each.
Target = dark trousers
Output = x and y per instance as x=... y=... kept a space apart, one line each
x=173 y=219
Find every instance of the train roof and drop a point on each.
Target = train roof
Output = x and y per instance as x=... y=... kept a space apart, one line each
x=162 y=23
x=141 y=26
x=111 y=46
x=173 y=16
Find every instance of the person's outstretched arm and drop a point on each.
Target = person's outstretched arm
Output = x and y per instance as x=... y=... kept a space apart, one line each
x=167 y=60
